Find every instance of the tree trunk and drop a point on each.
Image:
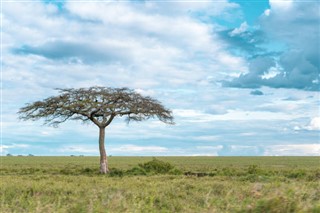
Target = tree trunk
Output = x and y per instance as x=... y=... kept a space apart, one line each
x=103 y=155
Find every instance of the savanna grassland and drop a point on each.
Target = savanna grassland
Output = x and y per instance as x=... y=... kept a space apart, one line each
x=164 y=184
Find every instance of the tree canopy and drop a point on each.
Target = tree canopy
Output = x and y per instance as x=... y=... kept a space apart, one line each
x=99 y=105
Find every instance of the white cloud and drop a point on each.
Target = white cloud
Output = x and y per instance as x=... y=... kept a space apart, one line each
x=198 y=116
x=253 y=150
x=141 y=150
x=208 y=138
x=129 y=148
x=283 y=5
x=173 y=8
x=207 y=150
x=4 y=149
x=267 y=12
x=243 y=28
x=91 y=44
x=153 y=28
x=272 y=72
x=79 y=149
x=293 y=150
x=203 y=154
x=188 y=113
x=314 y=124
x=145 y=92
x=276 y=41
x=124 y=149
x=248 y=134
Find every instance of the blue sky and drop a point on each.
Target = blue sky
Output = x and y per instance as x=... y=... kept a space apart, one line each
x=241 y=77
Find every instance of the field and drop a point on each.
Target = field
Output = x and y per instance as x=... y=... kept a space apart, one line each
x=164 y=184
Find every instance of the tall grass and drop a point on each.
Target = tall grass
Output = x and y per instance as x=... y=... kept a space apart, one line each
x=166 y=184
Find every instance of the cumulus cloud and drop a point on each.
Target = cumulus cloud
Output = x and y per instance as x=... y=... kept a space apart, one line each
x=77 y=52
x=82 y=44
x=209 y=138
x=243 y=28
x=197 y=116
x=314 y=124
x=296 y=63
x=121 y=149
x=244 y=42
x=173 y=51
x=130 y=148
x=5 y=148
x=207 y=150
x=142 y=150
x=79 y=149
x=293 y=150
x=272 y=150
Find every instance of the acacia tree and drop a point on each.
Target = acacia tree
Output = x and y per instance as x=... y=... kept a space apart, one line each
x=99 y=105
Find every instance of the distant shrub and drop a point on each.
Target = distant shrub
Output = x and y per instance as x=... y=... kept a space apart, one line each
x=156 y=166
x=175 y=171
x=65 y=171
x=253 y=169
x=136 y=171
x=149 y=168
x=211 y=174
x=226 y=171
x=88 y=170
x=296 y=174
x=113 y=172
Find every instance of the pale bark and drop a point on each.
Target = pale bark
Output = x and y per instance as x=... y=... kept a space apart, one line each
x=103 y=155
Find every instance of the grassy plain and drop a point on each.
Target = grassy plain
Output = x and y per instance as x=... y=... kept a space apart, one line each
x=195 y=184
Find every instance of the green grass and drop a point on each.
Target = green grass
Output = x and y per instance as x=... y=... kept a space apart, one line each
x=202 y=184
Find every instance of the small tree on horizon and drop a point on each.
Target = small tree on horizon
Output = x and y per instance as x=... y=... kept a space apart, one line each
x=99 y=105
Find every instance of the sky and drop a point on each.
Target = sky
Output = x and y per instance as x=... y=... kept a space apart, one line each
x=242 y=78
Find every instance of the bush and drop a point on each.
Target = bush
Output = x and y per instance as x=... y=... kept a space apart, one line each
x=113 y=172
x=296 y=174
x=156 y=167
x=152 y=167
x=88 y=171
x=226 y=171
x=175 y=172
x=136 y=171
x=253 y=169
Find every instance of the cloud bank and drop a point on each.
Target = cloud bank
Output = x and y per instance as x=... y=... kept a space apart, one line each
x=284 y=51
x=233 y=74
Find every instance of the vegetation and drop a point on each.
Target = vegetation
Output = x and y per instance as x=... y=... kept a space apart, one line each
x=163 y=184
x=98 y=105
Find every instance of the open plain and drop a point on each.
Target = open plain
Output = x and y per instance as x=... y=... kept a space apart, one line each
x=162 y=184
